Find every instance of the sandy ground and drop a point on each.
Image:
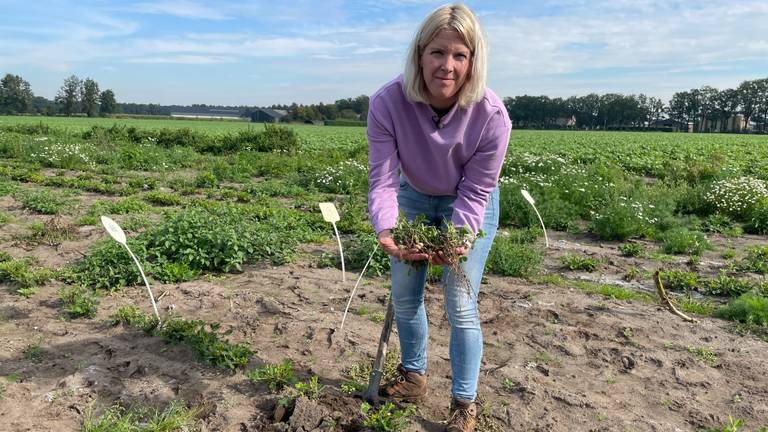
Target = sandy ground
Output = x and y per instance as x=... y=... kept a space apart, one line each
x=555 y=359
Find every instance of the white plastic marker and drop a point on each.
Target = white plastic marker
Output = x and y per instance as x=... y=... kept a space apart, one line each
x=117 y=233
x=529 y=198
x=352 y=295
x=331 y=215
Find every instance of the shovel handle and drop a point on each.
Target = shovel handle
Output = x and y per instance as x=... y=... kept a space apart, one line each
x=378 y=365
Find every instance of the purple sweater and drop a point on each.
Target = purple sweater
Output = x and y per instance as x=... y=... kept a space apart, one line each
x=461 y=154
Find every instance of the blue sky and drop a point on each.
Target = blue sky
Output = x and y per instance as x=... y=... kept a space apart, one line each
x=265 y=52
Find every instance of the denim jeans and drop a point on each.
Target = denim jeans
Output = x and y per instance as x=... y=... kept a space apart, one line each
x=466 y=344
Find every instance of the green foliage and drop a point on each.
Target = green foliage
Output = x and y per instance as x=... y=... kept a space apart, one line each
x=725 y=285
x=631 y=249
x=276 y=376
x=174 y=272
x=132 y=316
x=117 y=207
x=749 y=308
x=163 y=198
x=310 y=389
x=705 y=354
x=675 y=280
x=387 y=418
x=346 y=177
x=210 y=345
x=51 y=232
x=512 y=255
x=42 y=202
x=175 y=417
x=757 y=223
x=206 y=179
x=756 y=260
x=109 y=266
x=79 y=301
x=23 y=276
x=737 y=197
x=619 y=221
x=722 y=224
x=683 y=241
x=357 y=250
x=581 y=262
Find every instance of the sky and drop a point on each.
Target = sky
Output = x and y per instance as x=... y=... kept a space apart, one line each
x=278 y=52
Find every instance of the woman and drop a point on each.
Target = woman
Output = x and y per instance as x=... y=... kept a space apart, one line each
x=437 y=139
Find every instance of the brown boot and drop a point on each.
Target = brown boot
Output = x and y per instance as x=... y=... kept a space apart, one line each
x=406 y=387
x=463 y=416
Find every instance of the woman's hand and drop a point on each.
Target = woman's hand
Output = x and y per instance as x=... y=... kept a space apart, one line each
x=439 y=258
x=389 y=246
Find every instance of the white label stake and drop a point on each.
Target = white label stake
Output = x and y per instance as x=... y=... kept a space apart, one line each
x=117 y=233
x=529 y=198
x=331 y=215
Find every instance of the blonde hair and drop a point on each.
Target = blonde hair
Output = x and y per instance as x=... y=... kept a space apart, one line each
x=455 y=17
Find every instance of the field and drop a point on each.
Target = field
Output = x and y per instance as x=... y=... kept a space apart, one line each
x=225 y=218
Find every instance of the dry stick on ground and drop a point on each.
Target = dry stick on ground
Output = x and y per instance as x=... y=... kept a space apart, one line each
x=666 y=301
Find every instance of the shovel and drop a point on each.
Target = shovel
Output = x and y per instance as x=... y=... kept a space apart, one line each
x=372 y=393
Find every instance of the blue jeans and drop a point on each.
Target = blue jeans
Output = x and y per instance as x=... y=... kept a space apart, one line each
x=466 y=344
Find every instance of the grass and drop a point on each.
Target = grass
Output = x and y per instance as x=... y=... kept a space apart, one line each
x=581 y=262
x=275 y=376
x=175 y=417
x=704 y=354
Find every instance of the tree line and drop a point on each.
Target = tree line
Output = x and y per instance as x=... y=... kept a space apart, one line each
x=707 y=109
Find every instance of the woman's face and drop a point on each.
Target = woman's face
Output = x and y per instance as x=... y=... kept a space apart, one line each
x=445 y=64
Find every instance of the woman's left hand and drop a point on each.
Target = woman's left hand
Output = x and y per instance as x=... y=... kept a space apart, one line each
x=439 y=258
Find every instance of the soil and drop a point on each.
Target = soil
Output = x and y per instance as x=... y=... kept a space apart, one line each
x=555 y=359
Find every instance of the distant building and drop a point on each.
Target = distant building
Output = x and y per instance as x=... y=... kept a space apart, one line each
x=206 y=113
x=677 y=126
x=566 y=121
x=267 y=115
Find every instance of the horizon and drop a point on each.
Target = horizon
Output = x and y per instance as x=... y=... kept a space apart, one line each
x=224 y=53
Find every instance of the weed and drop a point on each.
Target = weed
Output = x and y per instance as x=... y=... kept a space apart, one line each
x=276 y=376
x=580 y=262
x=34 y=351
x=119 y=207
x=79 y=301
x=387 y=418
x=132 y=316
x=175 y=417
x=734 y=425
x=52 y=232
x=360 y=372
x=210 y=345
x=613 y=291
x=42 y=202
x=163 y=198
x=13 y=378
x=756 y=260
x=631 y=249
x=350 y=387
x=729 y=254
x=171 y=272
x=510 y=386
x=206 y=179
x=610 y=379
x=706 y=307
x=543 y=357
x=675 y=280
x=683 y=241
x=508 y=257
x=726 y=285
x=357 y=250
x=377 y=317
x=633 y=273
x=309 y=389
x=23 y=276
x=705 y=354
x=749 y=309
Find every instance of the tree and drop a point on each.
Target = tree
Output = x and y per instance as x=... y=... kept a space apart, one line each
x=108 y=102
x=15 y=95
x=68 y=95
x=89 y=97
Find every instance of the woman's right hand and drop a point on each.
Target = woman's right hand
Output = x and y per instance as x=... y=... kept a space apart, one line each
x=389 y=246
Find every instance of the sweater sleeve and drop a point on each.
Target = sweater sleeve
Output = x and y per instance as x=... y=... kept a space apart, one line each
x=481 y=173
x=383 y=165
